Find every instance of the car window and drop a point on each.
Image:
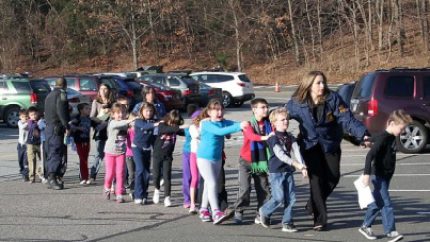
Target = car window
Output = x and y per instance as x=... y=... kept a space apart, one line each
x=88 y=84
x=40 y=86
x=174 y=82
x=71 y=82
x=363 y=88
x=188 y=80
x=219 y=78
x=399 y=86
x=2 y=84
x=244 y=78
x=21 y=86
x=426 y=86
x=201 y=78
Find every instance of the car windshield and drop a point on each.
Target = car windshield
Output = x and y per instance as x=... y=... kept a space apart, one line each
x=21 y=85
x=363 y=89
x=188 y=80
x=40 y=86
x=244 y=78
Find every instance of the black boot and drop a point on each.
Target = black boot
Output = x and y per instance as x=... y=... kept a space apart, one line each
x=52 y=183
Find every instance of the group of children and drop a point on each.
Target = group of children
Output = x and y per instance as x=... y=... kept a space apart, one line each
x=269 y=155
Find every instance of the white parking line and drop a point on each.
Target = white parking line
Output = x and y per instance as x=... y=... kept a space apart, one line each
x=346 y=163
x=423 y=213
x=407 y=190
x=413 y=174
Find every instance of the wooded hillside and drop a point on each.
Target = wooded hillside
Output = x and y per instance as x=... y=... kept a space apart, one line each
x=272 y=40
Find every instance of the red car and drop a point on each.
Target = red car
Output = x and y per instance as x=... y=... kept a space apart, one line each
x=171 y=98
x=85 y=84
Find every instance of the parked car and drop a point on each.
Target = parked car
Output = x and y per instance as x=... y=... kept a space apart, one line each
x=236 y=86
x=171 y=98
x=345 y=92
x=207 y=93
x=87 y=85
x=15 y=94
x=380 y=92
x=181 y=81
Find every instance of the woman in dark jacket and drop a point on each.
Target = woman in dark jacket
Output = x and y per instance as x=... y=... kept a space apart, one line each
x=321 y=114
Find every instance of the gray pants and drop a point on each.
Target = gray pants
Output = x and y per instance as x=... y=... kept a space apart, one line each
x=261 y=185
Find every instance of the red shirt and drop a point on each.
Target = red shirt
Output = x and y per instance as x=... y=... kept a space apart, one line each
x=248 y=136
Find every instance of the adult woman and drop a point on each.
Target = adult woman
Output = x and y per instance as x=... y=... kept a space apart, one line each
x=100 y=111
x=149 y=96
x=321 y=114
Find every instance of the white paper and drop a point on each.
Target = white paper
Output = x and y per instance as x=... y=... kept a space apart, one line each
x=365 y=196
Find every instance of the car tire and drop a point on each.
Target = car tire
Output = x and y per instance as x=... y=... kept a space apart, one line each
x=238 y=104
x=227 y=99
x=12 y=116
x=413 y=139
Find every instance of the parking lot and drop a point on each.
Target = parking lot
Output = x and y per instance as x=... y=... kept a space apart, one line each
x=79 y=213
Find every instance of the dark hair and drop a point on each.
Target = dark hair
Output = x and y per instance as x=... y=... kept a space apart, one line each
x=146 y=90
x=173 y=118
x=110 y=96
x=116 y=107
x=303 y=93
x=81 y=106
x=32 y=109
x=256 y=101
x=191 y=109
x=146 y=105
x=23 y=112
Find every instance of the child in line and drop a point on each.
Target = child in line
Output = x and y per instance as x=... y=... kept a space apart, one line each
x=142 y=147
x=22 y=144
x=195 y=141
x=381 y=163
x=43 y=154
x=33 y=145
x=163 y=153
x=281 y=168
x=129 y=180
x=254 y=155
x=80 y=128
x=192 y=109
x=115 y=151
x=209 y=160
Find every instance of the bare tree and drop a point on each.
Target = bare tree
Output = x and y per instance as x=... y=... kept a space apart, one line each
x=294 y=34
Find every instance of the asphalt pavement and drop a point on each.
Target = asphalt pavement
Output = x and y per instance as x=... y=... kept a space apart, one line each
x=31 y=212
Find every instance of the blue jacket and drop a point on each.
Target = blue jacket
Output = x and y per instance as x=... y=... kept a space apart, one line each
x=143 y=133
x=187 y=143
x=328 y=132
x=212 y=138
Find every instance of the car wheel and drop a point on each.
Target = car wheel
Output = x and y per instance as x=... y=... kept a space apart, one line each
x=12 y=116
x=413 y=139
x=226 y=99
x=238 y=104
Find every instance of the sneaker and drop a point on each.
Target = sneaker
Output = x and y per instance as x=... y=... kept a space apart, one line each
x=88 y=182
x=394 y=236
x=83 y=182
x=138 y=201
x=264 y=221
x=161 y=182
x=167 y=202
x=106 y=193
x=238 y=217
x=131 y=195
x=257 y=219
x=205 y=216
x=367 y=232
x=219 y=217
x=156 y=198
x=187 y=205
x=192 y=210
x=44 y=180
x=289 y=228
x=144 y=201
x=119 y=199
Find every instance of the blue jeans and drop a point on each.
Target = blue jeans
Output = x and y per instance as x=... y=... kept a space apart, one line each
x=142 y=162
x=283 y=193
x=98 y=158
x=382 y=204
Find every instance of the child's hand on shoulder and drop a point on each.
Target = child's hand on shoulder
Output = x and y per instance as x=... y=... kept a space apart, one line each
x=244 y=124
x=365 y=180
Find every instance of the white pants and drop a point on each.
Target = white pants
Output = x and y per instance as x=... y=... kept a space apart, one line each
x=210 y=171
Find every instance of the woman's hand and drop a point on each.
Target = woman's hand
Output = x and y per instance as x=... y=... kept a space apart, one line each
x=366 y=142
x=366 y=180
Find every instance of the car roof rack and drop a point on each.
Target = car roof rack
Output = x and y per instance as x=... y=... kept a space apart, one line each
x=186 y=72
x=151 y=69
x=213 y=69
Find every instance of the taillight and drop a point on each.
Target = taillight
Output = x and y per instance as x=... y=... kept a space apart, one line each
x=130 y=93
x=186 y=92
x=241 y=84
x=33 y=98
x=372 y=107
x=211 y=92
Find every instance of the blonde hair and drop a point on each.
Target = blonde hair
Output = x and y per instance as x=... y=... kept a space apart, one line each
x=117 y=107
x=277 y=111
x=146 y=105
x=399 y=116
x=303 y=91
x=203 y=114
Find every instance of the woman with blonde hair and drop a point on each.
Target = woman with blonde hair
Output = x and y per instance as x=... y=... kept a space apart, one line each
x=322 y=115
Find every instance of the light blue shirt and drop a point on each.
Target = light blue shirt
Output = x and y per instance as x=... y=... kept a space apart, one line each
x=212 y=138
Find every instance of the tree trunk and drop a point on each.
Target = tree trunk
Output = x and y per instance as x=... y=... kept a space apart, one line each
x=311 y=26
x=319 y=28
x=294 y=34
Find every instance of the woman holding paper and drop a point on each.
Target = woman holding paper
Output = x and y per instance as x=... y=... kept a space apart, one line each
x=321 y=114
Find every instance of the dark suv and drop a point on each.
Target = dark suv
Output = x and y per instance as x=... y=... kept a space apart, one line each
x=380 y=92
